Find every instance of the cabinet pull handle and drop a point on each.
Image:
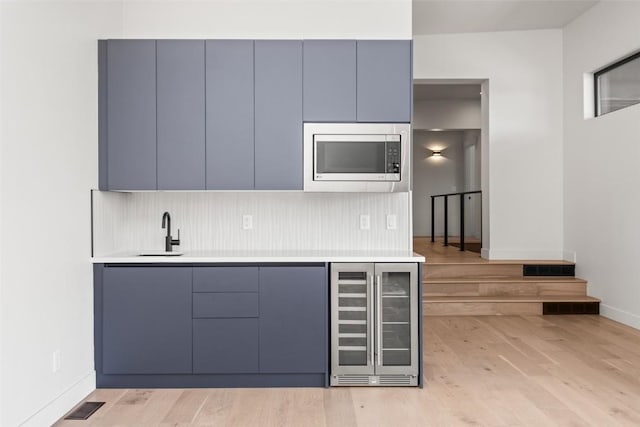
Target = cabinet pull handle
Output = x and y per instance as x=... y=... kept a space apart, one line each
x=379 y=307
x=372 y=320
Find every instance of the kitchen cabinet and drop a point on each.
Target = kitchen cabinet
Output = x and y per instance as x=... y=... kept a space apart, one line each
x=229 y=113
x=278 y=115
x=357 y=81
x=128 y=107
x=384 y=82
x=293 y=319
x=225 y=320
x=146 y=320
x=180 y=114
x=194 y=325
x=329 y=81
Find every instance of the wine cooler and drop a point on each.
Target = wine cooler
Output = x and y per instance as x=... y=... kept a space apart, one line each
x=374 y=324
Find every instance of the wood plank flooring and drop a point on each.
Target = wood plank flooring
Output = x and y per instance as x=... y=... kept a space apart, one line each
x=481 y=371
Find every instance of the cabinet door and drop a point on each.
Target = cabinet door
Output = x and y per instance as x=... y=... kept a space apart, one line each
x=181 y=125
x=227 y=346
x=397 y=316
x=293 y=318
x=384 y=81
x=329 y=81
x=229 y=114
x=278 y=115
x=146 y=320
x=131 y=114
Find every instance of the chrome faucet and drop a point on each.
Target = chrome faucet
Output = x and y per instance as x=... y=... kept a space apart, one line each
x=169 y=242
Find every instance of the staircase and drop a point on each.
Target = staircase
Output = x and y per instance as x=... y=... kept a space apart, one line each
x=504 y=288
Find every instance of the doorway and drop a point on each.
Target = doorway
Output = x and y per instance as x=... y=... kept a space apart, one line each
x=447 y=159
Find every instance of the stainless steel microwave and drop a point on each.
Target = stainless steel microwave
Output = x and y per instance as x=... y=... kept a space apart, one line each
x=358 y=157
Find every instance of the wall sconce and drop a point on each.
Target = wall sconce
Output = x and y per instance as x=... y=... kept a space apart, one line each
x=436 y=154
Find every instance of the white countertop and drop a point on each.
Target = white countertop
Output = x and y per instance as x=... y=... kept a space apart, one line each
x=231 y=256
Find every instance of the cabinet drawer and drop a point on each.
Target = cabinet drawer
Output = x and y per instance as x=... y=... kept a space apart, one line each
x=225 y=279
x=213 y=305
x=225 y=346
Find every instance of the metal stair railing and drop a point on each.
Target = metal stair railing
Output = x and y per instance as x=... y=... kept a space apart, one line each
x=446 y=215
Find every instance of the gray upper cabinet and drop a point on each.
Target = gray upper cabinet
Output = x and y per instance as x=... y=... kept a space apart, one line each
x=181 y=115
x=278 y=115
x=146 y=323
x=384 y=80
x=229 y=114
x=130 y=114
x=329 y=81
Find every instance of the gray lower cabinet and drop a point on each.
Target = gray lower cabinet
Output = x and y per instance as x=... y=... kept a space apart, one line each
x=278 y=114
x=128 y=107
x=384 y=81
x=180 y=120
x=211 y=326
x=146 y=320
x=293 y=319
x=225 y=346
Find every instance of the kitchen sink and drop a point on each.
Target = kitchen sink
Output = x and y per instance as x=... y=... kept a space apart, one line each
x=160 y=253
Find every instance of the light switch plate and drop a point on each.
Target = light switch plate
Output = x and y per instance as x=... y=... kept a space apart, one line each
x=365 y=222
x=392 y=222
x=247 y=222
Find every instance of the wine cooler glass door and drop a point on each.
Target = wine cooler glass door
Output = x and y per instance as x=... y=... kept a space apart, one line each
x=397 y=329
x=352 y=323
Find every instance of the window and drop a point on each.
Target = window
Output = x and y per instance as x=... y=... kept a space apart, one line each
x=618 y=85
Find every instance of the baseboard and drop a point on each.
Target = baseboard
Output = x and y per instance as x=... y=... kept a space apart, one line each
x=569 y=256
x=59 y=406
x=622 y=316
x=484 y=253
x=525 y=255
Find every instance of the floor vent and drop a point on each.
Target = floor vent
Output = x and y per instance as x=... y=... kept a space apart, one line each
x=567 y=270
x=84 y=411
x=351 y=380
x=571 y=308
x=396 y=380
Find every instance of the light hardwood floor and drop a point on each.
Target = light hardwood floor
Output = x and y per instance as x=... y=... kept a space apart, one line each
x=481 y=371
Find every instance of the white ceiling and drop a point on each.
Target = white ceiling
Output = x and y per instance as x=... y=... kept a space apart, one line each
x=474 y=16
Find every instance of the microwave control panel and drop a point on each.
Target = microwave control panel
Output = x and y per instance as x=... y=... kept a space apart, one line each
x=393 y=155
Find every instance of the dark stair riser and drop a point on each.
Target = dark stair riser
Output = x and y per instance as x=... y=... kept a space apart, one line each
x=571 y=308
x=565 y=270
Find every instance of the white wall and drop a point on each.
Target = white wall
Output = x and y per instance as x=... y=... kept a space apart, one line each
x=601 y=172
x=49 y=162
x=290 y=19
x=524 y=142
x=447 y=114
x=436 y=175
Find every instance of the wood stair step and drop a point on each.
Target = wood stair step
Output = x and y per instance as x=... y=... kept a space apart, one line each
x=451 y=271
x=523 y=286
x=491 y=305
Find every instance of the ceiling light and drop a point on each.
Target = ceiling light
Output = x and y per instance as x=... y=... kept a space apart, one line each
x=436 y=130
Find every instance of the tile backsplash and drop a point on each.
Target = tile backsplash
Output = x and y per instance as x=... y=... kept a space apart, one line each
x=125 y=222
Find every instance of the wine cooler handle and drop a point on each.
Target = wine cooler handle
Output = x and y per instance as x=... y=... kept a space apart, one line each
x=371 y=320
x=379 y=318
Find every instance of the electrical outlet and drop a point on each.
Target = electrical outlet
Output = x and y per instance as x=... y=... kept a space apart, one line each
x=392 y=222
x=247 y=222
x=55 y=361
x=364 y=222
